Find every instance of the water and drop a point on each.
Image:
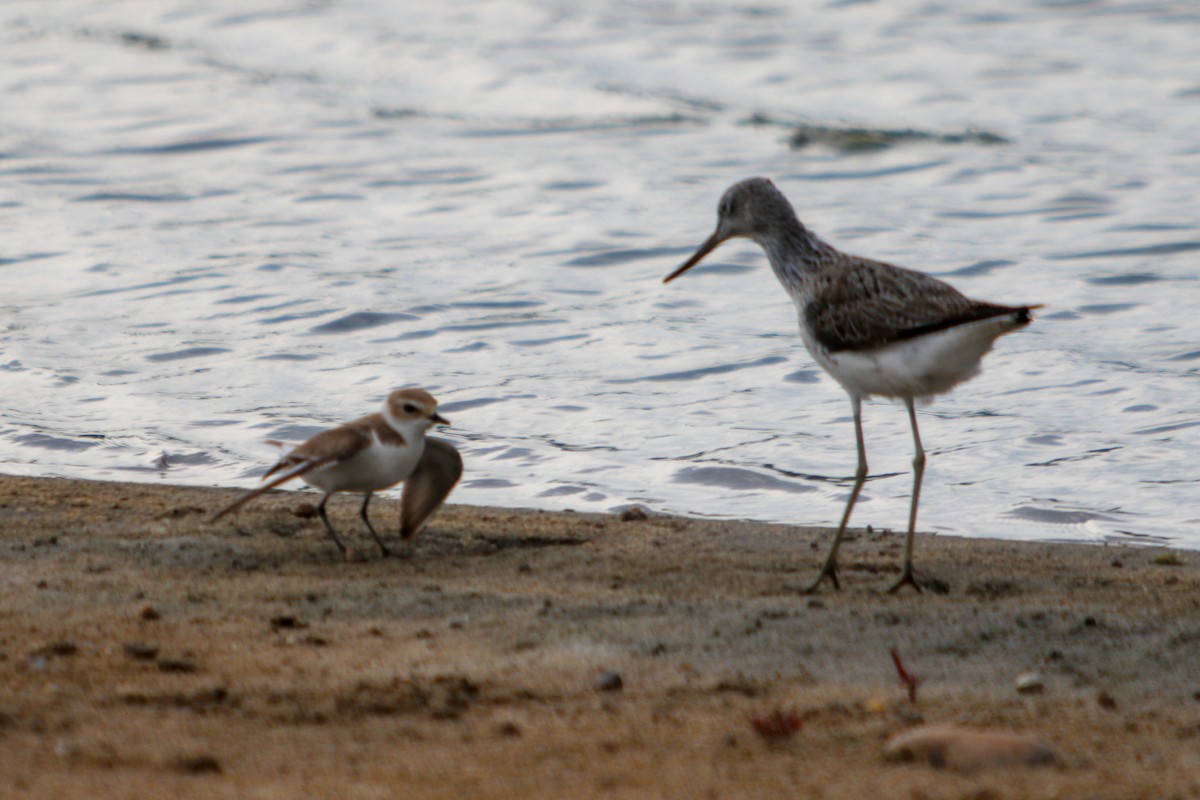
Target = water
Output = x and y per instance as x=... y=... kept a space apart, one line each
x=224 y=222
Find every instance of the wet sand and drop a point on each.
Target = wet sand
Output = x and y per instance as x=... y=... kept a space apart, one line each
x=148 y=653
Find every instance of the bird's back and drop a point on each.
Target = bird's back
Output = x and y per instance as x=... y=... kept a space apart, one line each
x=860 y=304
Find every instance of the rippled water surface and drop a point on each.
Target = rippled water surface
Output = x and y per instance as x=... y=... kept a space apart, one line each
x=233 y=220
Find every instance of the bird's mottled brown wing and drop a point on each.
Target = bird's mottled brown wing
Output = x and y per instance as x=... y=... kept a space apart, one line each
x=338 y=443
x=428 y=486
x=876 y=304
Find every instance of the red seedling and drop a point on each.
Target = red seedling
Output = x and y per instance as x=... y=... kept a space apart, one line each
x=777 y=725
x=906 y=677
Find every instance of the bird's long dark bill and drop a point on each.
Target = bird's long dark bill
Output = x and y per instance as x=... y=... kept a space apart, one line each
x=438 y=419
x=704 y=250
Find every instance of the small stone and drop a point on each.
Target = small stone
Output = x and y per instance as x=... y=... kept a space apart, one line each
x=198 y=764
x=508 y=730
x=286 y=621
x=1106 y=700
x=56 y=649
x=1030 y=683
x=610 y=681
x=149 y=614
x=967 y=750
x=181 y=665
x=133 y=695
x=140 y=650
x=634 y=514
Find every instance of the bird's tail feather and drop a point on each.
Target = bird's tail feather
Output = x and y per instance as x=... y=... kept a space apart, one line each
x=294 y=472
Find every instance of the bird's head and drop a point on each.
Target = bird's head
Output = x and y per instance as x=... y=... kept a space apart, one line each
x=414 y=407
x=750 y=208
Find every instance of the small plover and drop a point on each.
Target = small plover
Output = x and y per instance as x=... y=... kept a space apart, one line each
x=371 y=454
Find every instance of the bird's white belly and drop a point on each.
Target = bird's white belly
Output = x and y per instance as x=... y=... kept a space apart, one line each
x=372 y=469
x=919 y=367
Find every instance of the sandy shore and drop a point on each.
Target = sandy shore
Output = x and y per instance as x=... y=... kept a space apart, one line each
x=147 y=653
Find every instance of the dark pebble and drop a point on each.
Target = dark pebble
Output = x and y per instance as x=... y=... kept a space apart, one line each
x=140 y=651
x=610 y=681
x=150 y=613
x=56 y=649
x=198 y=765
x=184 y=665
x=508 y=730
x=634 y=514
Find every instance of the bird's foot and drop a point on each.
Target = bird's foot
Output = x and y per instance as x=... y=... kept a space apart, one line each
x=828 y=570
x=907 y=578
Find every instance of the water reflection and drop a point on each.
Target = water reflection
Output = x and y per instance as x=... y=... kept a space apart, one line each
x=233 y=222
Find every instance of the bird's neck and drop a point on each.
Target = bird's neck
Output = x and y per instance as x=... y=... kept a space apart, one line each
x=412 y=431
x=795 y=254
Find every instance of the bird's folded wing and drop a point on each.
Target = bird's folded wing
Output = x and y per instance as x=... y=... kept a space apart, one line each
x=327 y=447
x=429 y=484
x=881 y=304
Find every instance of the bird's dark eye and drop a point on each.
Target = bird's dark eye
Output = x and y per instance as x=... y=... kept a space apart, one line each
x=409 y=408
